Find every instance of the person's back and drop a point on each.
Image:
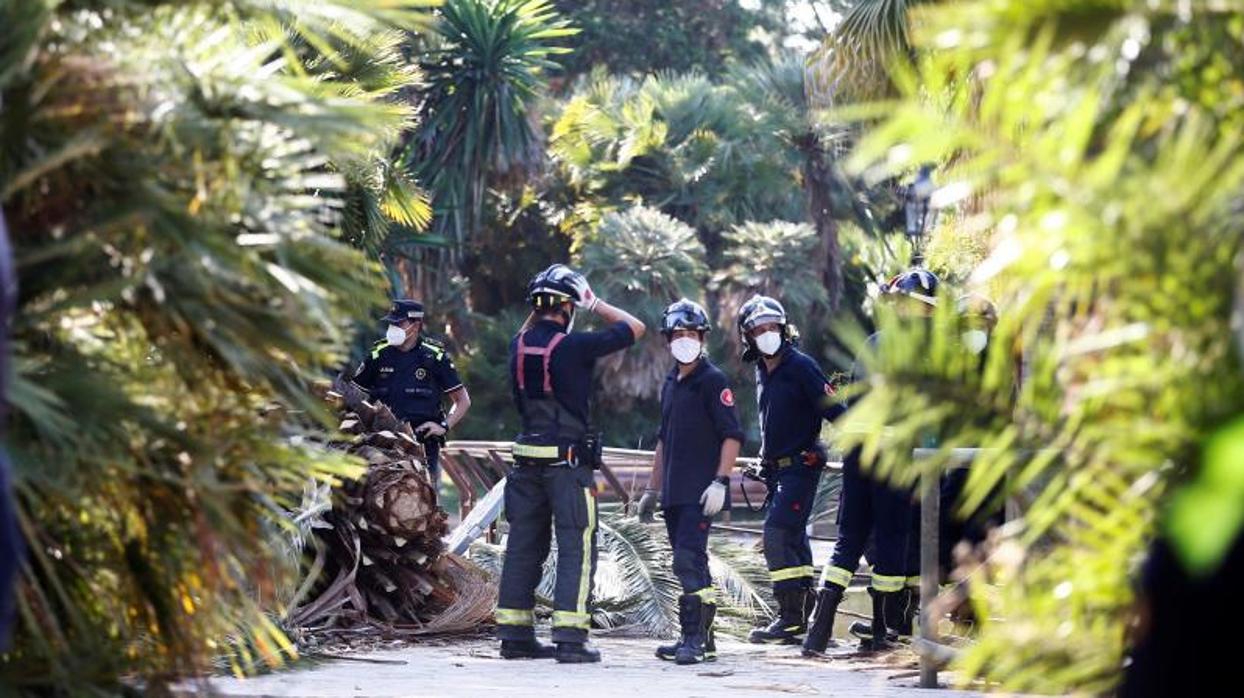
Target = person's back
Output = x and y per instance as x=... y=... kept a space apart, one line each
x=552 y=486
x=558 y=413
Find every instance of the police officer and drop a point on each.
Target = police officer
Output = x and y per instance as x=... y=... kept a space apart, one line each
x=793 y=397
x=411 y=374
x=699 y=442
x=869 y=506
x=552 y=487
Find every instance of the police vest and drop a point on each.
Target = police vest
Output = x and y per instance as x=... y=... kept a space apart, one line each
x=545 y=419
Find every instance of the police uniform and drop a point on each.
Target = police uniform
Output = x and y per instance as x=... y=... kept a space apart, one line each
x=792 y=400
x=697 y=415
x=412 y=384
x=552 y=488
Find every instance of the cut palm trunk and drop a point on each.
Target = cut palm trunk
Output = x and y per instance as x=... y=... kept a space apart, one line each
x=381 y=563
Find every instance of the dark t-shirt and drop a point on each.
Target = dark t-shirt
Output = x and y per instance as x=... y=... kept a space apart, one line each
x=572 y=362
x=697 y=414
x=792 y=402
x=411 y=383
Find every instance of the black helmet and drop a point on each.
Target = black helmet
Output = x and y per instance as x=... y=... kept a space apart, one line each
x=758 y=311
x=917 y=283
x=684 y=314
x=552 y=287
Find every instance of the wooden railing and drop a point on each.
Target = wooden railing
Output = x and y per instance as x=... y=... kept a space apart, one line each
x=476 y=466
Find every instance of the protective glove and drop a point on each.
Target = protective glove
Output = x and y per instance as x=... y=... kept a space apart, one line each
x=648 y=506
x=586 y=300
x=430 y=429
x=714 y=498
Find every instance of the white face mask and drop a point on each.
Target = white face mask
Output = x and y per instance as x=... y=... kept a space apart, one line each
x=769 y=343
x=975 y=340
x=685 y=349
x=395 y=336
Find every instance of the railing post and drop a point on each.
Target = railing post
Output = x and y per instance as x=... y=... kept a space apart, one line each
x=930 y=574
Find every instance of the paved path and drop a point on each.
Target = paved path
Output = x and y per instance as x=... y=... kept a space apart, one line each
x=471 y=668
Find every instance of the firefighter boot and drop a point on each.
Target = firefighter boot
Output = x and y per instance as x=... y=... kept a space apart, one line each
x=710 y=635
x=821 y=630
x=576 y=653
x=691 y=615
x=789 y=624
x=881 y=638
x=526 y=649
x=901 y=613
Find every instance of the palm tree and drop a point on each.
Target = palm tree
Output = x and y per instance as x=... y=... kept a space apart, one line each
x=1114 y=230
x=643 y=260
x=677 y=143
x=174 y=177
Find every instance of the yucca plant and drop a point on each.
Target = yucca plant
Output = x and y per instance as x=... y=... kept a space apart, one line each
x=173 y=175
x=1114 y=226
x=487 y=66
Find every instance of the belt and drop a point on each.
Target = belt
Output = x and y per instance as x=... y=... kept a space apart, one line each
x=529 y=454
x=808 y=458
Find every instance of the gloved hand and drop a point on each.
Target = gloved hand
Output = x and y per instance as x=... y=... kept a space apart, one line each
x=430 y=429
x=714 y=498
x=586 y=300
x=648 y=506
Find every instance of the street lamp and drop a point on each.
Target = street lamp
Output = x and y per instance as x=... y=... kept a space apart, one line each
x=921 y=215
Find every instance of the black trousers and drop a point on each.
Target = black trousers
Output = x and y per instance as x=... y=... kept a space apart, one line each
x=788 y=553
x=890 y=515
x=688 y=529
x=542 y=501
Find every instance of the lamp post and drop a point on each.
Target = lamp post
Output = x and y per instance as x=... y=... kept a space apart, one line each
x=920 y=213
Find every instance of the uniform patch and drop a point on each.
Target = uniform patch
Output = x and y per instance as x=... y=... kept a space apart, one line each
x=421 y=373
x=727 y=397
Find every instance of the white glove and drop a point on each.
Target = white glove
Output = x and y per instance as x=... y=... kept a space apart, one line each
x=648 y=506
x=587 y=300
x=714 y=498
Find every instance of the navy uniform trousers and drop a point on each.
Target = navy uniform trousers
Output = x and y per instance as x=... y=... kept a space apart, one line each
x=688 y=529
x=890 y=515
x=542 y=501
x=788 y=553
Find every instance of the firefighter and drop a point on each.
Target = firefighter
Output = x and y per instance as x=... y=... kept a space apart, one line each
x=699 y=442
x=412 y=375
x=793 y=396
x=978 y=317
x=552 y=487
x=869 y=506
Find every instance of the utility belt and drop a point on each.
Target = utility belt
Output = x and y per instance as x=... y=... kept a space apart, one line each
x=814 y=458
x=767 y=470
x=587 y=451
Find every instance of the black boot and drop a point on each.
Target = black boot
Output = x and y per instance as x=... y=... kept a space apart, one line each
x=526 y=649
x=900 y=609
x=864 y=631
x=691 y=613
x=880 y=631
x=710 y=635
x=789 y=623
x=670 y=652
x=576 y=653
x=901 y=613
x=821 y=629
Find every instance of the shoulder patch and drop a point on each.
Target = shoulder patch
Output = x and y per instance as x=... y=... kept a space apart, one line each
x=727 y=397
